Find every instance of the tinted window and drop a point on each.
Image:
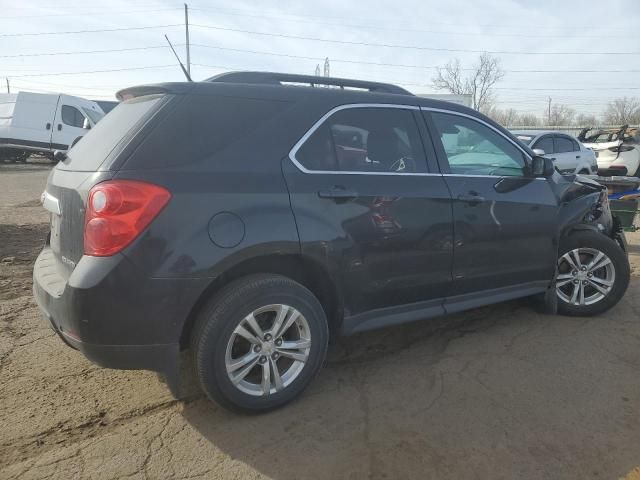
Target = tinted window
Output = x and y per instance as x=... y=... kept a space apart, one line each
x=89 y=154
x=546 y=144
x=71 y=116
x=472 y=148
x=201 y=126
x=365 y=140
x=564 y=144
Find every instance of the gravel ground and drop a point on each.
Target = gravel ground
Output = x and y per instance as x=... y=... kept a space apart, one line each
x=497 y=392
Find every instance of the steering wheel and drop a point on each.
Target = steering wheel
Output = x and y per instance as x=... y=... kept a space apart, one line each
x=403 y=165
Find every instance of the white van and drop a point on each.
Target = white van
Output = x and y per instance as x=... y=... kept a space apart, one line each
x=42 y=123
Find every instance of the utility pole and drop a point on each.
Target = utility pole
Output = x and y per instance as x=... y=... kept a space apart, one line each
x=186 y=27
x=8 y=88
x=549 y=113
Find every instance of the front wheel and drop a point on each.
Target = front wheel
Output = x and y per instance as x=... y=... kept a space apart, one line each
x=593 y=274
x=259 y=342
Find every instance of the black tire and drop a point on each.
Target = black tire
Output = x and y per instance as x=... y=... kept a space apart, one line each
x=602 y=243
x=217 y=321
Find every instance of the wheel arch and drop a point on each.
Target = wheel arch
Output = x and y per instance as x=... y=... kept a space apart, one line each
x=304 y=270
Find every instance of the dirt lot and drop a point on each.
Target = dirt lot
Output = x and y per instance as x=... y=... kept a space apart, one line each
x=498 y=392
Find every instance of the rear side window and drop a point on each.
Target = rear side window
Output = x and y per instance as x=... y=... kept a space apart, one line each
x=97 y=144
x=564 y=144
x=365 y=140
x=201 y=126
x=546 y=144
x=71 y=116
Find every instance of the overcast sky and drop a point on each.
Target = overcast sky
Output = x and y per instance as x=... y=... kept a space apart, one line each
x=557 y=36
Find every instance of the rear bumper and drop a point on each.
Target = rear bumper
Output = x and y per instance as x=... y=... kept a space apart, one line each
x=159 y=358
x=115 y=317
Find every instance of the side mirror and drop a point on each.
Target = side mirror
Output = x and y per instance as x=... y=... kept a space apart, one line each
x=538 y=151
x=542 y=166
x=86 y=125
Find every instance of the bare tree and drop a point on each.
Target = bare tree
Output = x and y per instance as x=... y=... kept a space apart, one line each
x=478 y=83
x=560 y=115
x=528 y=120
x=507 y=118
x=584 y=120
x=622 y=111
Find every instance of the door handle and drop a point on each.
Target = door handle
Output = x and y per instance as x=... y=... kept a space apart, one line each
x=577 y=156
x=59 y=126
x=338 y=193
x=471 y=199
x=48 y=126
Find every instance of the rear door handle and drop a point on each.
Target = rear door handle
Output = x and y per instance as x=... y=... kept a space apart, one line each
x=338 y=193
x=48 y=126
x=59 y=126
x=577 y=156
x=471 y=199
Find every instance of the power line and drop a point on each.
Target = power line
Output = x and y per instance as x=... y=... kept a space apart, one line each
x=410 y=47
x=92 y=71
x=83 y=52
x=405 y=29
x=403 y=65
x=83 y=14
x=102 y=30
x=398 y=19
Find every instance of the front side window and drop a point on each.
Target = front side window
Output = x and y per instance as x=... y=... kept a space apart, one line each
x=472 y=148
x=365 y=140
x=71 y=116
x=546 y=144
x=563 y=145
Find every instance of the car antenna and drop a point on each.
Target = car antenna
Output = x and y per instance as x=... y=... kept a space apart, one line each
x=184 y=70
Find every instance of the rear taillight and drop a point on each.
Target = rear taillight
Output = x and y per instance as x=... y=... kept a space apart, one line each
x=117 y=212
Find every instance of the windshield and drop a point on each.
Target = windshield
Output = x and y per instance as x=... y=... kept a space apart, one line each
x=93 y=115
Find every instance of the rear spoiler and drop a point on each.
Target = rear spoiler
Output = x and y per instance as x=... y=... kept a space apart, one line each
x=157 y=89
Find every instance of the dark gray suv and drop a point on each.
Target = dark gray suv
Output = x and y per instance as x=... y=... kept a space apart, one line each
x=242 y=221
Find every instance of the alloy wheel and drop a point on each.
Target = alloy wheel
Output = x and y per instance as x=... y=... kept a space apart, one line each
x=585 y=276
x=268 y=350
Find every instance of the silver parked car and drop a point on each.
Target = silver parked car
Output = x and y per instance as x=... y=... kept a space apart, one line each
x=567 y=153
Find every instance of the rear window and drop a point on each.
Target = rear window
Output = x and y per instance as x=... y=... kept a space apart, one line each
x=89 y=153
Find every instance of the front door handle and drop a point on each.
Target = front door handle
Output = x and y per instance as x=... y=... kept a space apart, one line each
x=48 y=126
x=577 y=156
x=338 y=193
x=471 y=199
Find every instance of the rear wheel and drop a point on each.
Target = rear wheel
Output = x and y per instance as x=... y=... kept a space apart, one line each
x=259 y=343
x=593 y=274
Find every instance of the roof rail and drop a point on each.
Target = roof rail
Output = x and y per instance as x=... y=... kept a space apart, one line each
x=272 y=78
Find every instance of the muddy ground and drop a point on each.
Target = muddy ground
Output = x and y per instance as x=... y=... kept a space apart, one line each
x=498 y=392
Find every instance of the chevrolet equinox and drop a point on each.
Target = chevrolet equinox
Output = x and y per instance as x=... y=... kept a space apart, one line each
x=239 y=222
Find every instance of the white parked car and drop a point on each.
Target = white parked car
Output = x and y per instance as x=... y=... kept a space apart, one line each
x=617 y=150
x=42 y=123
x=568 y=154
